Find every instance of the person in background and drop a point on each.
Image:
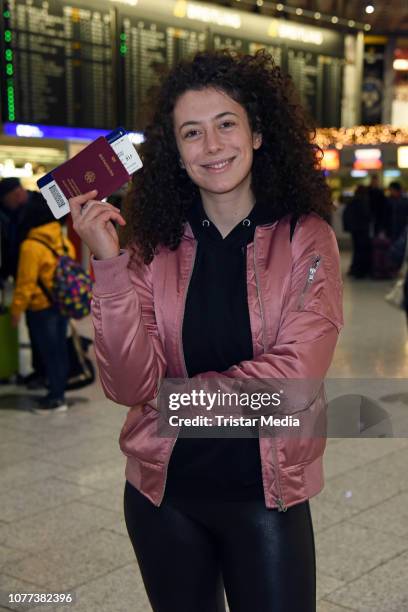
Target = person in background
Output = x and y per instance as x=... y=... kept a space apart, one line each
x=378 y=203
x=14 y=203
x=46 y=325
x=13 y=198
x=356 y=220
x=396 y=217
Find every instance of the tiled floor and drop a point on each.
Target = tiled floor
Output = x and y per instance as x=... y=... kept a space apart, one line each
x=62 y=477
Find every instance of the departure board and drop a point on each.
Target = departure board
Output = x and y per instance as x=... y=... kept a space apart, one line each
x=147 y=50
x=57 y=66
x=276 y=52
x=245 y=45
x=305 y=70
x=318 y=81
x=229 y=42
x=96 y=63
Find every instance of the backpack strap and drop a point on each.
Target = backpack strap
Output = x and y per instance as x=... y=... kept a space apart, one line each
x=53 y=251
x=293 y=222
x=41 y=285
x=64 y=246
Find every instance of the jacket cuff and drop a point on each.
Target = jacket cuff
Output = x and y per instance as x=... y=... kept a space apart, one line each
x=111 y=275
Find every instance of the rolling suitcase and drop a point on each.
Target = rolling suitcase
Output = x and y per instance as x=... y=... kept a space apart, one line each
x=8 y=346
x=382 y=266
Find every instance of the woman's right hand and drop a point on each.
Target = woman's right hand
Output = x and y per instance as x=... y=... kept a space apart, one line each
x=92 y=221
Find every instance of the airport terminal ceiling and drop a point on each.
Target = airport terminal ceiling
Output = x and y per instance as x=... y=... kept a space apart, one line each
x=388 y=16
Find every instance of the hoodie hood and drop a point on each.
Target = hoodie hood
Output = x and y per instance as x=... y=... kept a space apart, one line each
x=242 y=234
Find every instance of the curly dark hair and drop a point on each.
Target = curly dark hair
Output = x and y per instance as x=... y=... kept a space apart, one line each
x=286 y=168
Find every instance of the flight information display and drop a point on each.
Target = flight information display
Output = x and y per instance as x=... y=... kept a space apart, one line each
x=58 y=63
x=147 y=50
x=317 y=78
x=245 y=45
x=96 y=64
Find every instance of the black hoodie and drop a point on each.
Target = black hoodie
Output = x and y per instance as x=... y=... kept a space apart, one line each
x=216 y=336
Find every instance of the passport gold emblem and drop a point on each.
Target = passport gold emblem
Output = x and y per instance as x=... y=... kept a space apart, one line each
x=90 y=176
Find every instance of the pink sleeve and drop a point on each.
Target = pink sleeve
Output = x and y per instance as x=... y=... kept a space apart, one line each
x=128 y=348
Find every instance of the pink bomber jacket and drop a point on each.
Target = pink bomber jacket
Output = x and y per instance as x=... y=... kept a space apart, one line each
x=295 y=306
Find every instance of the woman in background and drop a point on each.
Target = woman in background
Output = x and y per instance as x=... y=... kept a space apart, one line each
x=47 y=326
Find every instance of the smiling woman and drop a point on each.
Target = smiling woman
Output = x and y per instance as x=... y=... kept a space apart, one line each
x=218 y=283
x=205 y=114
x=216 y=149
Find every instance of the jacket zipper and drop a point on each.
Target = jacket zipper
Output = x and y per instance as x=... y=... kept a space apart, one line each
x=280 y=501
x=310 y=278
x=183 y=359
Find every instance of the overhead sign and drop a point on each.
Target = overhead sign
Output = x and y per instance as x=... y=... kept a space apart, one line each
x=207 y=14
x=402 y=153
x=331 y=159
x=290 y=31
x=367 y=159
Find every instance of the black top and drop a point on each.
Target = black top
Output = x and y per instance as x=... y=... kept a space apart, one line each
x=217 y=335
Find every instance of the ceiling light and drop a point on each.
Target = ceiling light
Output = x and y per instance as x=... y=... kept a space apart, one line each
x=352 y=23
x=367 y=26
x=317 y=15
x=279 y=7
x=369 y=9
x=299 y=11
x=334 y=19
x=259 y=2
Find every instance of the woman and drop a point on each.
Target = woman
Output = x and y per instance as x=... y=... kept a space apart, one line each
x=47 y=326
x=211 y=286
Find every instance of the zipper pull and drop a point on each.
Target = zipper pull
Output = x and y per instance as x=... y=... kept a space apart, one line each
x=310 y=278
x=281 y=505
x=313 y=270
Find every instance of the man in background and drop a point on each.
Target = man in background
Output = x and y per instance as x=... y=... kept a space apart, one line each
x=378 y=205
x=13 y=198
x=396 y=217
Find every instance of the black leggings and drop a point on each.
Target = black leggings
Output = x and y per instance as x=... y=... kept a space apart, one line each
x=189 y=551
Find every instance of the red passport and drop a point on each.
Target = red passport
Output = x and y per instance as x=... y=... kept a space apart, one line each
x=95 y=167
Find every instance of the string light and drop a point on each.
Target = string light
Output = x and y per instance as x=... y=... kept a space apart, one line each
x=369 y=9
x=291 y=10
x=361 y=135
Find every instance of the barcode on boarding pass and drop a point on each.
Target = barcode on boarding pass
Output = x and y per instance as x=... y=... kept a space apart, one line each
x=56 y=194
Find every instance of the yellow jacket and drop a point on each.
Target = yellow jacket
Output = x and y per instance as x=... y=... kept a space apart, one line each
x=35 y=262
